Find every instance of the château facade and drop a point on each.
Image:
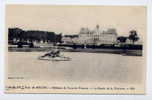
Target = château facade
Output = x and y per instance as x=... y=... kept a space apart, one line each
x=97 y=36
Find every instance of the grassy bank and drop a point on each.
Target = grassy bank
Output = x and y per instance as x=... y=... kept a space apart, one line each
x=131 y=52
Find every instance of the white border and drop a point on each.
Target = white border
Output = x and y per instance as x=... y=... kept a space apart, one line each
x=80 y=2
x=148 y=95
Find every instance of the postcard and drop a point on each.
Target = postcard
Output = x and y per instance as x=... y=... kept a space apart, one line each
x=75 y=49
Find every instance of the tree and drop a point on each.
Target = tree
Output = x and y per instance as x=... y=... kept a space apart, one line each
x=133 y=36
x=14 y=33
x=59 y=38
x=121 y=39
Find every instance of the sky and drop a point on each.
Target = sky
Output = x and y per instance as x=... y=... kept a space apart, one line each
x=69 y=19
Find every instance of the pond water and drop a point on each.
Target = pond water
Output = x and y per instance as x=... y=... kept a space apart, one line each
x=84 y=67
